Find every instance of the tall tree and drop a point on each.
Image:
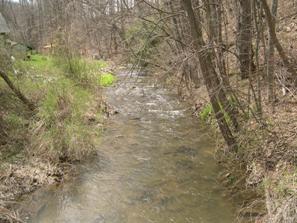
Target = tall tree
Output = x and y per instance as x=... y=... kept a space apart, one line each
x=244 y=41
x=215 y=90
x=272 y=32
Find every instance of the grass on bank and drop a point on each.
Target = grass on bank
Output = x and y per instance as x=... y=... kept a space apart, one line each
x=67 y=93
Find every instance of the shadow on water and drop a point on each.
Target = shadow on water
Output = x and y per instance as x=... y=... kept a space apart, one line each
x=155 y=165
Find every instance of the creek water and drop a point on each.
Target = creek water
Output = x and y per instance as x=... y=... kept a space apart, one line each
x=155 y=165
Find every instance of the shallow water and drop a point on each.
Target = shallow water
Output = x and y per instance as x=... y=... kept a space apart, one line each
x=155 y=165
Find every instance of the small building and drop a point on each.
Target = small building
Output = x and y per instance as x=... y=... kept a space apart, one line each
x=4 y=30
x=18 y=50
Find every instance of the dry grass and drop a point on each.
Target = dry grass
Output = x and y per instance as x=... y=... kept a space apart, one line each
x=19 y=178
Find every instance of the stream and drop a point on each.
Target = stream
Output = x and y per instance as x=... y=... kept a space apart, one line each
x=155 y=164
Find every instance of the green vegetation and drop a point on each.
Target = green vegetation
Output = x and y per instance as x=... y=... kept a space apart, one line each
x=106 y=79
x=66 y=112
x=39 y=62
x=206 y=112
x=67 y=121
x=64 y=125
x=15 y=121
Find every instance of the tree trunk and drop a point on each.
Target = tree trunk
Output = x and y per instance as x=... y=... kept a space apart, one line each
x=17 y=92
x=270 y=60
x=213 y=14
x=187 y=70
x=212 y=82
x=244 y=41
x=271 y=26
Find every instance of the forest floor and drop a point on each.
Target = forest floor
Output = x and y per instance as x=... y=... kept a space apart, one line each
x=42 y=147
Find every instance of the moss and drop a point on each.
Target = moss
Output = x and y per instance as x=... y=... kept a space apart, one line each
x=107 y=79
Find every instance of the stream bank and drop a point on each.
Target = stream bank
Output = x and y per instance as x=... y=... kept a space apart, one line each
x=261 y=177
x=155 y=163
x=42 y=147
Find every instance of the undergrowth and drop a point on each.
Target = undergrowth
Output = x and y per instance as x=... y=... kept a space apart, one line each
x=67 y=121
x=65 y=126
x=206 y=113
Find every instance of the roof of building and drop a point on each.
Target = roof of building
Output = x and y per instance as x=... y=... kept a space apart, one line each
x=3 y=25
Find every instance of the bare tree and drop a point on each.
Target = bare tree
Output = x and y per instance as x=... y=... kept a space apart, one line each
x=244 y=41
x=212 y=82
x=271 y=26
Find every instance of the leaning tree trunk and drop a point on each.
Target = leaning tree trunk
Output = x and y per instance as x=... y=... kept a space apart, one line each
x=213 y=14
x=17 y=92
x=212 y=82
x=271 y=26
x=244 y=41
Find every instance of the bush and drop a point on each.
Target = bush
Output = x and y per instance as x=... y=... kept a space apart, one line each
x=106 y=79
x=207 y=114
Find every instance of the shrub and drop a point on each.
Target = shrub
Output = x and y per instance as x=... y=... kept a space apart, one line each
x=106 y=79
x=207 y=114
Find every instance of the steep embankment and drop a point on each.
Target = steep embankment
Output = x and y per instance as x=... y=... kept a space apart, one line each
x=262 y=177
x=39 y=148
